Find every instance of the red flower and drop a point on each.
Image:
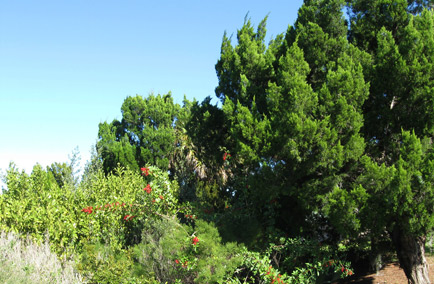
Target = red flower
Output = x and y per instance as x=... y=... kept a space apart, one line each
x=195 y=240
x=153 y=200
x=145 y=171
x=128 y=217
x=176 y=261
x=343 y=269
x=87 y=210
x=225 y=156
x=161 y=197
x=148 y=189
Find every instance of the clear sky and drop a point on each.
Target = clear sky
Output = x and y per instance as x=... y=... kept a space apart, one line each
x=66 y=66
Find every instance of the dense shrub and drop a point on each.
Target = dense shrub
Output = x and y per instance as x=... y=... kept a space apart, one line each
x=173 y=252
x=128 y=227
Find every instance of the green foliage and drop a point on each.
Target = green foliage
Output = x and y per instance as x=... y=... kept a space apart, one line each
x=144 y=135
x=102 y=264
x=305 y=261
x=103 y=212
x=36 y=205
x=298 y=135
x=403 y=192
x=170 y=253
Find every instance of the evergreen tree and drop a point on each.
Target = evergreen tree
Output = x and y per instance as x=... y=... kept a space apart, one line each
x=145 y=135
x=400 y=101
x=297 y=137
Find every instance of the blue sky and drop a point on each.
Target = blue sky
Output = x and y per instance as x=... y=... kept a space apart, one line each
x=66 y=66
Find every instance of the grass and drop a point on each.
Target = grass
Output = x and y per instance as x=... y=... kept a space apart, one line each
x=23 y=261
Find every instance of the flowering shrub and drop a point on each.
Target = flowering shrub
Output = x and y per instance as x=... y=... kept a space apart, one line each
x=195 y=240
x=174 y=252
x=148 y=188
x=316 y=268
x=226 y=156
x=128 y=226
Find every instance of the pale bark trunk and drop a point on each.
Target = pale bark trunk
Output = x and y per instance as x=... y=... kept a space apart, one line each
x=375 y=258
x=411 y=255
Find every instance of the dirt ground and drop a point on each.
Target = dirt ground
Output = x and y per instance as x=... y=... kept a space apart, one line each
x=390 y=274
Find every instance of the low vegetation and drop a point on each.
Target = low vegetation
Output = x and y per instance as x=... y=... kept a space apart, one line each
x=24 y=261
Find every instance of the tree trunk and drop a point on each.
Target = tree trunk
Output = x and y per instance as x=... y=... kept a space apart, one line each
x=411 y=255
x=375 y=257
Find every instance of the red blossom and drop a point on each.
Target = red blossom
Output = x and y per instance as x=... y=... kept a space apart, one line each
x=148 y=189
x=153 y=200
x=145 y=171
x=343 y=269
x=87 y=210
x=176 y=261
x=128 y=217
x=225 y=156
x=161 y=197
x=195 y=240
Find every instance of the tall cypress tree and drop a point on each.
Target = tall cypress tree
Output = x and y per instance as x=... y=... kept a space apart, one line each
x=297 y=137
x=399 y=124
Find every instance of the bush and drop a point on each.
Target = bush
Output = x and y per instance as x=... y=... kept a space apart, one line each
x=172 y=252
x=298 y=260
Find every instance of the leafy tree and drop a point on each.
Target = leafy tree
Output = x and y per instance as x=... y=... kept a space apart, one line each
x=145 y=135
x=62 y=173
x=35 y=205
